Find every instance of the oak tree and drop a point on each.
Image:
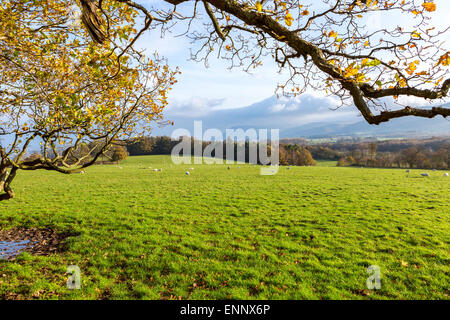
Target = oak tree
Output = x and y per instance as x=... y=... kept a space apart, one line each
x=61 y=92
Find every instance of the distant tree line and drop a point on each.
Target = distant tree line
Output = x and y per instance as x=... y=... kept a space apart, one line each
x=413 y=157
x=432 y=153
x=289 y=154
x=395 y=153
x=296 y=155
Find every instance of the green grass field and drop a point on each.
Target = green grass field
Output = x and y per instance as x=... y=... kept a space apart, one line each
x=305 y=233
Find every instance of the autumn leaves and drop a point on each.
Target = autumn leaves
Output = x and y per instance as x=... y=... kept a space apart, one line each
x=288 y=18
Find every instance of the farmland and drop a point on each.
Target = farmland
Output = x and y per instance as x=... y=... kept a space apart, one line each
x=304 y=233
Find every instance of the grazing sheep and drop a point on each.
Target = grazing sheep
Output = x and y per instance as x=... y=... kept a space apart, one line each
x=446 y=174
x=154 y=170
x=288 y=168
x=407 y=171
x=160 y=170
x=425 y=174
x=191 y=168
x=228 y=168
x=187 y=173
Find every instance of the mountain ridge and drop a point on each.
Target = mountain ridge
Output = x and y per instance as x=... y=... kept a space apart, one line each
x=306 y=116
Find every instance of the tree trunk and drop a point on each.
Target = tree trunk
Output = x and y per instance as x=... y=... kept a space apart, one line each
x=5 y=183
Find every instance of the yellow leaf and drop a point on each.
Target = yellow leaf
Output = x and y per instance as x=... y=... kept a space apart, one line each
x=351 y=70
x=429 y=6
x=444 y=59
x=364 y=62
x=259 y=6
x=288 y=19
x=332 y=34
x=360 y=77
x=412 y=67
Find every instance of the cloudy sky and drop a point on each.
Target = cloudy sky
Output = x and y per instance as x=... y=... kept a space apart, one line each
x=201 y=88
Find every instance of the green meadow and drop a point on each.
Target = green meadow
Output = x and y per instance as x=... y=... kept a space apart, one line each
x=304 y=233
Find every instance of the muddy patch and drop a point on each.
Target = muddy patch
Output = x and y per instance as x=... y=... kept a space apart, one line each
x=42 y=242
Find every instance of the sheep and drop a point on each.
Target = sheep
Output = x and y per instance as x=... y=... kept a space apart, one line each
x=160 y=170
x=187 y=173
x=191 y=168
x=446 y=174
x=425 y=174
x=407 y=171
x=228 y=168
x=154 y=170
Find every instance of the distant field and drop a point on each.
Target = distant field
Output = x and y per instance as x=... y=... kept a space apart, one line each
x=326 y=163
x=305 y=233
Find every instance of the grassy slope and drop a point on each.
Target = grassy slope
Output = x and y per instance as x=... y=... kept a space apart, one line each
x=305 y=233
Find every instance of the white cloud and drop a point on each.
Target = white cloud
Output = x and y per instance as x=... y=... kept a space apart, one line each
x=278 y=107
x=193 y=107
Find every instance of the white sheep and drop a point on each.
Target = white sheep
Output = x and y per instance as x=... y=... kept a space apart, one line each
x=425 y=174
x=191 y=168
x=154 y=170
x=187 y=173
x=446 y=174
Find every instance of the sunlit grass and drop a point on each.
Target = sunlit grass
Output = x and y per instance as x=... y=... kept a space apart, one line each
x=304 y=233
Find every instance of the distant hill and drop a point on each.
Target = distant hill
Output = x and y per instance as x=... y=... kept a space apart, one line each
x=409 y=126
x=305 y=116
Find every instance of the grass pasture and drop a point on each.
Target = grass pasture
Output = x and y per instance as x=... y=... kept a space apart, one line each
x=304 y=233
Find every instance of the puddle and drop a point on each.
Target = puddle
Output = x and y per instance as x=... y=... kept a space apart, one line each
x=11 y=249
x=41 y=242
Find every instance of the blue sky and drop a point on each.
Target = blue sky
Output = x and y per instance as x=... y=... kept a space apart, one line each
x=216 y=87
